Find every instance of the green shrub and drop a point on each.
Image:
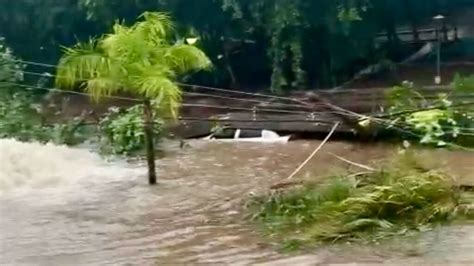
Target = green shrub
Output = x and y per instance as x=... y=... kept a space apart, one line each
x=21 y=119
x=123 y=130
x=393 y=200
x=10 y=70
x=20 y=115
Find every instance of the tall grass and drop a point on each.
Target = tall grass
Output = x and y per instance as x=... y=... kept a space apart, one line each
x=394 y=199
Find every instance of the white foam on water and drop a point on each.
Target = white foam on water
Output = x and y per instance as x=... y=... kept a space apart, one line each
x=26 y=166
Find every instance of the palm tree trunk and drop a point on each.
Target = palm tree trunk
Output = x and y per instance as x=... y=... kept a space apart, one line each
x=149 y=142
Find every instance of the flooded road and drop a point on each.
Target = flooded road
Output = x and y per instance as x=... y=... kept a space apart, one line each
x=63 y=206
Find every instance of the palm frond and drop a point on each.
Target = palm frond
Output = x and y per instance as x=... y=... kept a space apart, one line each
x=126 y=45
x=164 y=92
x=185 y=58
x=156 y=26
x=120 y=28
x=157 y=83
x=80 y=63
x=102 y=87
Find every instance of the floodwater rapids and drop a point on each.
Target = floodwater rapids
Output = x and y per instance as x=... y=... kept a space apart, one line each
x=69 y=206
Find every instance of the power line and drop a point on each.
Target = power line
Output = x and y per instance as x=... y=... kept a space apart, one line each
x=199 y=119
x=245 y=121
x=299 y=102
x=56 y=67
x=30 y=63
x=245 y=100
x=137 y=100
x=279 y=105
x=29 y=87
x=342 y=110
x=231 y=120
x=196 y=94
x=184 y=84
x=322 y=91
x=244 y=109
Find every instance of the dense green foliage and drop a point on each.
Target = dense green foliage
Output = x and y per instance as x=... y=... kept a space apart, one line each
x=393 y=200
x=286 y=43
x=123 y=133
x=437 y=120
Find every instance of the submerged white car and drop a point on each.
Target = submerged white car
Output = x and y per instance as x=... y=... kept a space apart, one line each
x=247 y=135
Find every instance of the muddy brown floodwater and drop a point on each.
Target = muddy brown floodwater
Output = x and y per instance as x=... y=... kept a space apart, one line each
x=63 y=206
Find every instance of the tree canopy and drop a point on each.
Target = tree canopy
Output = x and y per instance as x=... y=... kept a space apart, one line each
x=282 y=44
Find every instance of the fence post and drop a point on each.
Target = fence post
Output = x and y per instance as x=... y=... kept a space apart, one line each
x=149 y=141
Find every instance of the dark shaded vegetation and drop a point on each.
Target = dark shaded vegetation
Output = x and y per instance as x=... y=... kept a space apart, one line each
x=400 y=197
x=282 y=44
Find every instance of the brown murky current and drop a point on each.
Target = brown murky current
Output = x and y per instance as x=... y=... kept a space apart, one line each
x=62 y=206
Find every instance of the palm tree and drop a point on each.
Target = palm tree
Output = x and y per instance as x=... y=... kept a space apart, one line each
x=139 y=60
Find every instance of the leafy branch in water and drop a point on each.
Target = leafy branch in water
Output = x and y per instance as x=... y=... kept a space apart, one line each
x=445 y=118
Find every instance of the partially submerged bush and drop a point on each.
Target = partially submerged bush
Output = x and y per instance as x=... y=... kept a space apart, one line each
x=394 y=200
x=123 y=130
